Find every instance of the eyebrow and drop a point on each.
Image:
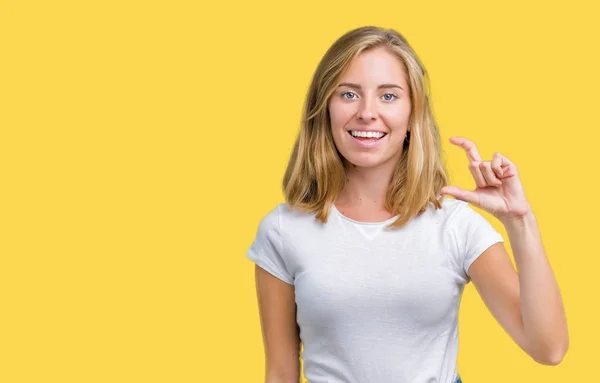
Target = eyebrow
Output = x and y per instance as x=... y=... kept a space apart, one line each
x=382 y=86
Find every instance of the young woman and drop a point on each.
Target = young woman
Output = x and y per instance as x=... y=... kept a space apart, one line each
x=366 y=262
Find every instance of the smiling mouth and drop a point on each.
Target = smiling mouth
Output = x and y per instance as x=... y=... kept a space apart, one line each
x=364 y=136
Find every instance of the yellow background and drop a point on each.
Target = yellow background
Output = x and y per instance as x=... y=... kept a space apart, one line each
x=142 y=142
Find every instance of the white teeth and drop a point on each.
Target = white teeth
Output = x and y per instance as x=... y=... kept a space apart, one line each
x=359 y=133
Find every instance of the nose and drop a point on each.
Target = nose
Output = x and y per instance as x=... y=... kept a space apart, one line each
x=367 y=110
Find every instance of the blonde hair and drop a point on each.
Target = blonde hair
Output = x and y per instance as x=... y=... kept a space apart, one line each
x=315 y=175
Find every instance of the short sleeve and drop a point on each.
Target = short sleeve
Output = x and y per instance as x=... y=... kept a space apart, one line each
x=474 y=235
x=267 y=248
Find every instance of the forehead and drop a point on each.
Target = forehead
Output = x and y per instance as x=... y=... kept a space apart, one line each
x=375 y=66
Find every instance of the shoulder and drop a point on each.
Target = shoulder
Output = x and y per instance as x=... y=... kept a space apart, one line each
x=283 y=216
x=460 y=214
x=270 y=220
x=270 y=223
x=454 y=216
x=468 y=225
x=451 y=210
x=455 y=209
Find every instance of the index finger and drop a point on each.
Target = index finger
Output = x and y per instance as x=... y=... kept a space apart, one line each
x=468 y=146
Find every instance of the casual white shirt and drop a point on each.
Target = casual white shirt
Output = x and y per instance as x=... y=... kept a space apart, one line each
x=374 y=304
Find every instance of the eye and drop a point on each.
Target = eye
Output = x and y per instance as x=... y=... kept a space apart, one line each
x=345 y=93
x=390 y=94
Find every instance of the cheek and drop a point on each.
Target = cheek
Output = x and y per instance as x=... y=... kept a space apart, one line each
x=340 y=114
x=397 y=117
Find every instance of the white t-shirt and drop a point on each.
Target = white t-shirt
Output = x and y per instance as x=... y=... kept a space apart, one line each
x=375 y=305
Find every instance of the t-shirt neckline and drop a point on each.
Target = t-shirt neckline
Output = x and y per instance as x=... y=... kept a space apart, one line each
x=386 y=222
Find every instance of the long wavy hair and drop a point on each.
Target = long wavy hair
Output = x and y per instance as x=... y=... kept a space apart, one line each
x=315 y=175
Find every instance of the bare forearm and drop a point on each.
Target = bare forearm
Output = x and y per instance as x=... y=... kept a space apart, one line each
x=274 y=380
x=292 y=378
x=542 y=310
x=283 y=370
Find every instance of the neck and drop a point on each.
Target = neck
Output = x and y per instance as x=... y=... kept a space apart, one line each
x=366 y=187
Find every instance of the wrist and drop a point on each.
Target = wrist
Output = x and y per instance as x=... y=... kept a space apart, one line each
x=518 y=219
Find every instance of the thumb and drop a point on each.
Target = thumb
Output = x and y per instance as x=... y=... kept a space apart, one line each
x=461 y=194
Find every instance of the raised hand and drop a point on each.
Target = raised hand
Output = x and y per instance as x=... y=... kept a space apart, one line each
x=499 y=190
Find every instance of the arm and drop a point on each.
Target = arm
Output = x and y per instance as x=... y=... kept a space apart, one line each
x=277 y=308
x=542 y=310
x=527 y=304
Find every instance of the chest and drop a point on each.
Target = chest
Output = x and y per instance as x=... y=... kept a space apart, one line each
x=404 y=277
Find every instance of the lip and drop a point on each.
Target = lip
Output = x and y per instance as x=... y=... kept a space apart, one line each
x=366 y=130
x=368 y=144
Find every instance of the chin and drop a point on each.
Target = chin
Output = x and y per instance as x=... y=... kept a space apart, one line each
x=363 y=162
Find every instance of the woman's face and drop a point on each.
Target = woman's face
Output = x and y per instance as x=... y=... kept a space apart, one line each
x=370 y=110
